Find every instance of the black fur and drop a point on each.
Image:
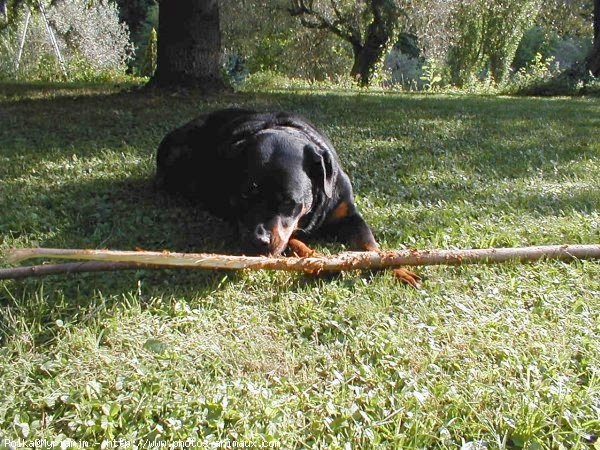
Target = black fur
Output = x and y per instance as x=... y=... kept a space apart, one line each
x=274 y=174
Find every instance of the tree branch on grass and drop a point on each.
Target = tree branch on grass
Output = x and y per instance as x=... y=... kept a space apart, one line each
x=41 y=270
x=99 y=260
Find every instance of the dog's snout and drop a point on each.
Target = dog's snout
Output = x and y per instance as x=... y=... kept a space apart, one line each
x=262 y=237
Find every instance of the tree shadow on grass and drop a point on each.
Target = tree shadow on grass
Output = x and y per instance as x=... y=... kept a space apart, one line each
x=129 y=214
x=490 y=131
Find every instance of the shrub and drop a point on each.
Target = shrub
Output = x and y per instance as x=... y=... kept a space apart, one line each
x=546 y=77
x=150 y=59
x=404 y=69
x=566 y=51
x=535 y=41
x=144 y=40
x=431 y=75
x=404 y=63
x=94 y=44
x=8 y=51
x=93 y=33
x=537 y=71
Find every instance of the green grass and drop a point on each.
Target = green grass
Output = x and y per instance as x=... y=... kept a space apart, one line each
x=482 y=357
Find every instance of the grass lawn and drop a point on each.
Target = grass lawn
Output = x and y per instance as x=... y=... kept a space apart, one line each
x=483 y=357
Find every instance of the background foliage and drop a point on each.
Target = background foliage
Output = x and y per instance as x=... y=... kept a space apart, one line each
x=280 y=44
x=91 y=39
x=470 y=42
x=487 y=35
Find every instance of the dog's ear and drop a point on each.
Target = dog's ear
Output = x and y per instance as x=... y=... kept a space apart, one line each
x=320 y=167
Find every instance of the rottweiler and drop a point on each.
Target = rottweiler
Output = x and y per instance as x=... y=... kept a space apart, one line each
x=273 y=174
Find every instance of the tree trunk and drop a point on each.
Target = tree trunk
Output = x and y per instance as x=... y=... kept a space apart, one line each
x=366 y=56
x=365 y=59
x=357 y=72
x=189 y=45
x=366 y=52
x=593 y=60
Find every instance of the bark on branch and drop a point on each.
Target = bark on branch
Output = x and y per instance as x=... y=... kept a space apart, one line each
x=99 y=260
x=311 y=18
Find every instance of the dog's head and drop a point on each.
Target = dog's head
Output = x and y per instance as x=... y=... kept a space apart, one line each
x=286 y=174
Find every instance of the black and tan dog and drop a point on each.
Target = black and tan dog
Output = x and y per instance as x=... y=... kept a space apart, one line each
x=275 y=175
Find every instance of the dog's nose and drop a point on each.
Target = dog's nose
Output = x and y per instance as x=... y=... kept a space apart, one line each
x=262 y=237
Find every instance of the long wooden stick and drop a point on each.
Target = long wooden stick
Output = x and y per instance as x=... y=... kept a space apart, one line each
x=41 y=270
x=120 y=260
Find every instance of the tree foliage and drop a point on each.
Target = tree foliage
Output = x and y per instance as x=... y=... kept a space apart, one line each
x=280 y=44
x=324 y=39
x=567 y=18
x=368 y=26
x=90 y=37
x=429 y=21
x=486 y=37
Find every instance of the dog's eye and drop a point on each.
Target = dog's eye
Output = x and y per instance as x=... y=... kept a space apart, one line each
x=288 y=206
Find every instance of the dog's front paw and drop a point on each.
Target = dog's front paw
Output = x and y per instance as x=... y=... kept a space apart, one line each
x=408 y=277
x=300 y=250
